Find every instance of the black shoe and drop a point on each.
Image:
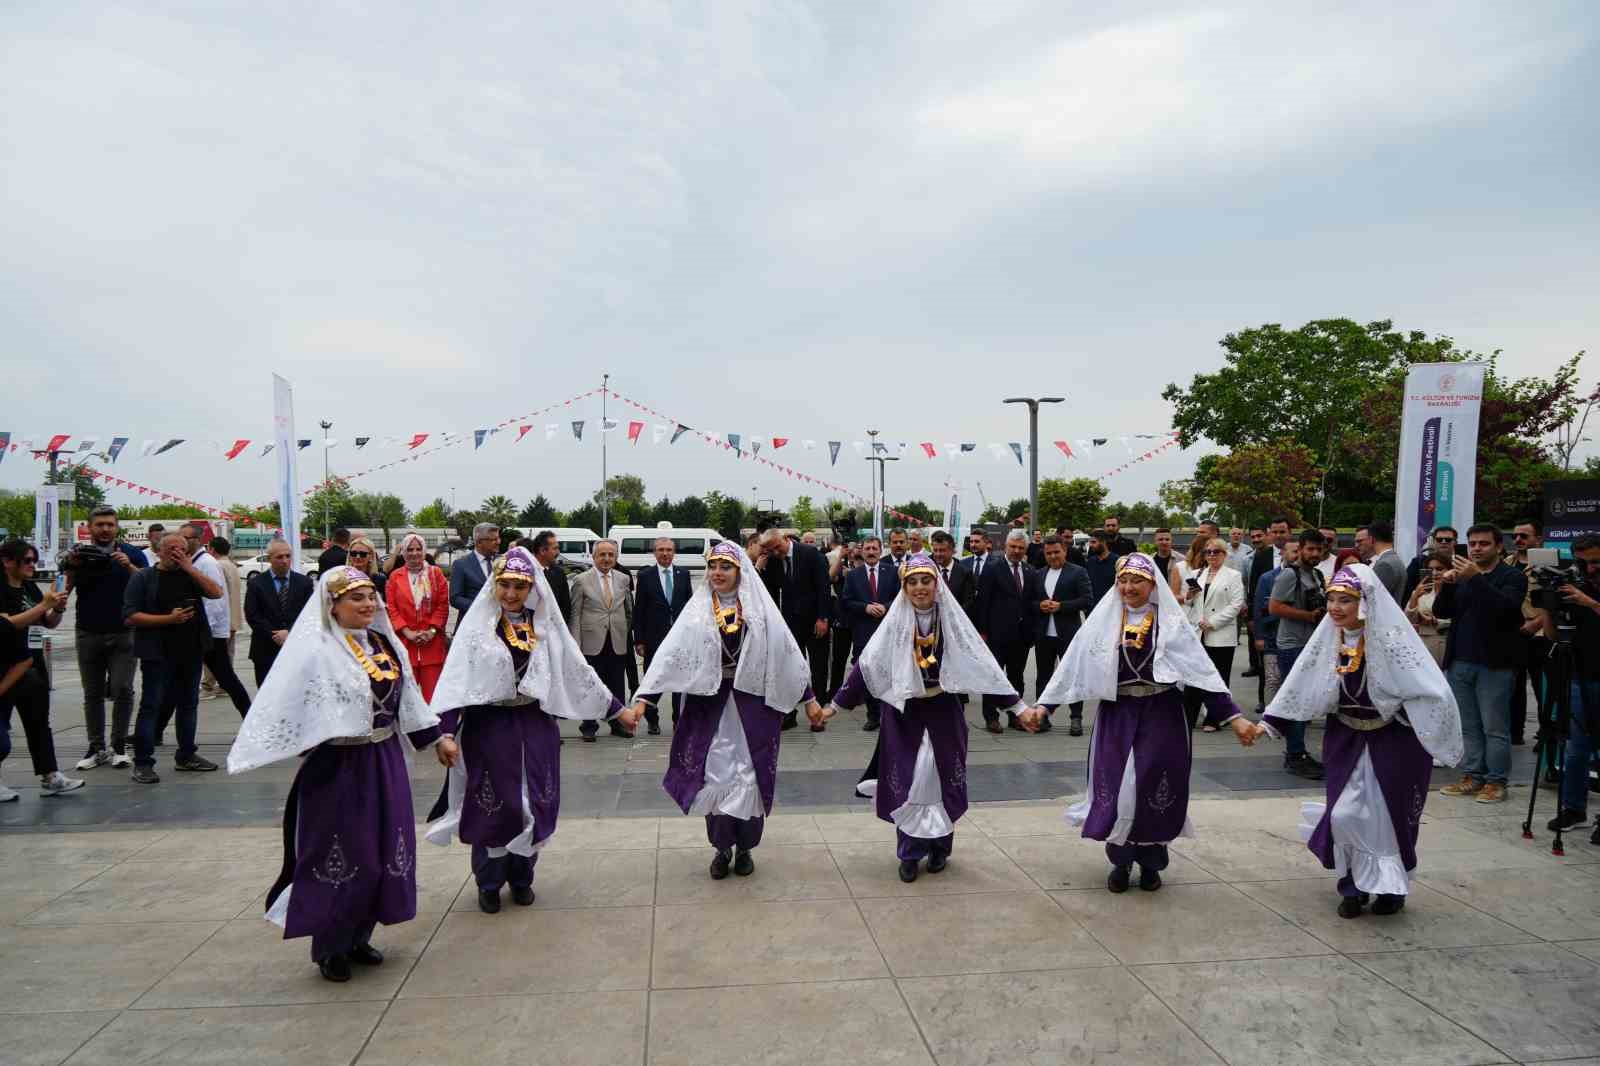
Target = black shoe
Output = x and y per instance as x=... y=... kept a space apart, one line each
x=719 y=866
x=937 y=863
x=195 y=764
x=908 y=870
x=1117 y=880
x=1075 y=728
x=522 y=895
x=653 y=729
x=146 y=775
x=1387 y=904
x=618 y=731
x=819 y=729
x=1250 y=673
x=1303 y=765
x=1351 y=906
x=743 y=864
x=489 y=900
x=993 y=725
x=589 y=738
x=1045 y=726
x=790 y=720
x=335 y=968
x=1012 y=723
x=365 y=955
x=871 y=726
x=1566 y=820
x=1149 y=879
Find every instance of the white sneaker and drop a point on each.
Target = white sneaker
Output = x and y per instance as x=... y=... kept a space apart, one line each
x=7 y=795
x=98 y=757
x=57 y=783
x=121 y=760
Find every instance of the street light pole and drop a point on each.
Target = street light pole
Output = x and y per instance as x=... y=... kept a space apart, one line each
x=326 y=425
x=605 y=496
x=1033 y=451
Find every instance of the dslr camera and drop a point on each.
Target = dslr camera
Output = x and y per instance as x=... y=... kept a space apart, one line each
x=87 y=560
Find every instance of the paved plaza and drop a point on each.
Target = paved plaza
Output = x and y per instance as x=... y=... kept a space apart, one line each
x=133 y=930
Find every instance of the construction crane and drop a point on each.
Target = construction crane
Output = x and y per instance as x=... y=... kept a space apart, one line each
x=983 y=496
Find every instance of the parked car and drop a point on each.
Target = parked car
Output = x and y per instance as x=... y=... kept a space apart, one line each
x=257 y=564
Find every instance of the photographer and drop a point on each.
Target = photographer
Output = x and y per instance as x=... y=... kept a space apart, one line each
x=99 y=573
x=171 y=636
x=1298 y=603
x=1578 y=604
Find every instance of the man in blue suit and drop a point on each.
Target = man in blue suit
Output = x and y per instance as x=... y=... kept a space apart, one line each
x=468 y=573
x=660 y=594
x=868 y=591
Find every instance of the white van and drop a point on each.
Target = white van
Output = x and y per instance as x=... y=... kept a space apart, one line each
x=636 y=545
x=576 y=545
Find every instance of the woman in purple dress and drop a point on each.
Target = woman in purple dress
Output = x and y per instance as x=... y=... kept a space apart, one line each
x=341 y=694
x=1390 y=715
x=1137 y=654
x=512 y=672
x=923 y=658
x=732 y=657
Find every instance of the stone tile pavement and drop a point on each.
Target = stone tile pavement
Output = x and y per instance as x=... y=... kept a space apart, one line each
x=146 y=946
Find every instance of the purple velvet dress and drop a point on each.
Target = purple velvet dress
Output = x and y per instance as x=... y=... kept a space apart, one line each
x=691 y=744
x=349 y=833
x=893 y=766
x=1153 y=731
x=499 y=745
x=1401 y=764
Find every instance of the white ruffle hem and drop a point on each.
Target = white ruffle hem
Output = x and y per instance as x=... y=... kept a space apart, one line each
x=1364 y=842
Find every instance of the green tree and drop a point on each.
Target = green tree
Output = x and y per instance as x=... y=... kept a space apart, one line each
x=88 y=492
x=333 y=500
x=540 y=513
x=499 y=510
x=690 y=512
x=16 y=513
x=1017 y=508
x=1076 y=502
x=803 y=515
x=383 y=510
x=436 y=515
x=585 y=517
x=1261 y=480
x=629 y=487
x=725 y=514
x=991 y=514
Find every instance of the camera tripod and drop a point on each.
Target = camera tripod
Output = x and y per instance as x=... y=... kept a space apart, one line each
x=1555 y=718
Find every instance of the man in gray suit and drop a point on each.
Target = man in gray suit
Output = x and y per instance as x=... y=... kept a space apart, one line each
x=1386 y=562
x=602 y=618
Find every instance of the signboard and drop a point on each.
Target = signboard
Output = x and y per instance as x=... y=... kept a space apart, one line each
x=1436 y=479
x=46 y=525
x=1571 y=508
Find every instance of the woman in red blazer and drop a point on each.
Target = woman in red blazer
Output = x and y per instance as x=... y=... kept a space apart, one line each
x=419 y=606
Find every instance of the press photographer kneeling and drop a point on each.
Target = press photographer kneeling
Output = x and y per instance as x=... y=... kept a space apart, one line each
x=1570 y=608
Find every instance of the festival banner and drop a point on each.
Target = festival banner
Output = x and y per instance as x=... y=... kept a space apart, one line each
x=1436 y=477
x=288 y=464
x=46 y=524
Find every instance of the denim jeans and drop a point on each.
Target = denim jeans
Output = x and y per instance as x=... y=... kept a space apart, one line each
x=1294 y=733
x=105 y=666
x=1575 y=767
x=165 y=681
x=1484 y=696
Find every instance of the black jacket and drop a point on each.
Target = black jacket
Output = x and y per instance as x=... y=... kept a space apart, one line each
x=263 y=613
x=1260 y=563
x=1122 y=546
x=652 y=614
x=858 y=593
x=331 y=557
x=1006 y=613
x=560 y=590
x=802 y=595
x=961 y=585
x=1487 y=614
x=1075 y=595
x=143 y=596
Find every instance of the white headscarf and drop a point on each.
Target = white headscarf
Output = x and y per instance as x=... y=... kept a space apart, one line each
x=770 y=664
x=965 y=664
x=1400 y=674
x=317 y=690
x=478 y=668
x=1088 y=671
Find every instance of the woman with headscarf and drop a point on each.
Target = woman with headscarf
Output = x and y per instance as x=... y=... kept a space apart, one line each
x=731 y=655
x=341 y=694
x=363 y=555
x=419 y=607
x=1137 y=654
x=513 y=671
x=1390 y=714
x=924 y=656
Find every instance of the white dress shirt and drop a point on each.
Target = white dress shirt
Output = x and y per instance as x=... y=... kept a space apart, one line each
x=1050 y=579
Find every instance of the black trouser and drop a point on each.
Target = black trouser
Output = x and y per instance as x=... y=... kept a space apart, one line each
x=31 y=697
x=819 y=651
x=1013 y=659
x=652 y=714
x=1222 y=659
x=219 y=657
x=105 y=666
x=1538 y=650
x=613 y=671
x=838 y=659
x=262 y=666
x=1047 y=651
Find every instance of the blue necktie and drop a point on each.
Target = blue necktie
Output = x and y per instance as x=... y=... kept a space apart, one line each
x=666 y=579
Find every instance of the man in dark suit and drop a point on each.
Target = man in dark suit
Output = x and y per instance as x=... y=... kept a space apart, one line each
x=272 y=601
x=660 y=594
x=868 y=591
x=336 y=554
x=469 y=572
x=547 y=551
x=797 y=576
x=1005 y=618
x=1063 y=593
x=975 y=564
x=942 y=546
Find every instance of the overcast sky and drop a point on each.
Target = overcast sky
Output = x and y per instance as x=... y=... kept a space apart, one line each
x=780 y=219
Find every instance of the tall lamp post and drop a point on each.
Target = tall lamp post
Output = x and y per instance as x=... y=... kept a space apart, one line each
x=1033 y=451
x=880 y=502
x=326 y=528
x=605 y=495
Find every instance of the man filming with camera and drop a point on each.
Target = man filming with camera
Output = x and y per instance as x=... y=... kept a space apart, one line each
x=99 y=572
x=1575 y=605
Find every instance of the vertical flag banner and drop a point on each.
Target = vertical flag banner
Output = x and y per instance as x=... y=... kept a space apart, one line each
x=288 y=459
x=577 y=429
x=416 y=441
x=551 y=429
x=87 y=444
x=361 y=442
x=634 y=429
x=778 y=442
x=755 y=445
x=968 y=446
x=238 y=446
x=1436 y=480
x=173 y=443
x=300 y=445
x=522 y=431
x=952 y=513
x=55 y=446
x=1066 y=449
x=658 y=433
x=117 y=444
x=733 y=440
x=266 y=449
x=477 y=438
x=833 y=452
x=1016 y=449
x=928 y=449
x=679 y=430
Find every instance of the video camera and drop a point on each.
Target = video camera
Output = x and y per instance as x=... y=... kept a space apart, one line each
x=87 y=560
x=1550 y=580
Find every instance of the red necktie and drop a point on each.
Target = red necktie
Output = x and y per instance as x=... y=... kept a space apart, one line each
x=1016 y=569
x=872 y=579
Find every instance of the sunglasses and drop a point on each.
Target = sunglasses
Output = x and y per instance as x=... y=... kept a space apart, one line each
x=360 y=555
x=1215 y=551
x=32 y=560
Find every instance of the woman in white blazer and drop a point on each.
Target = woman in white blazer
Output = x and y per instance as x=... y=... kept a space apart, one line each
x=1214 y=598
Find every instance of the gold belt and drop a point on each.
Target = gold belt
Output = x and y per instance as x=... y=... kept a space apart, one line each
x=514 y=701
x=1141 y=689
x=377 y=736
x=1364 y=725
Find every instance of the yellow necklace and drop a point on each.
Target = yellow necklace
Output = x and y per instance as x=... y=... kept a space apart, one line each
x=519 y=634
x=379 y=667
x=923 y=649
x=729 y=618
x=1350 y=658
x=1137 y=633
